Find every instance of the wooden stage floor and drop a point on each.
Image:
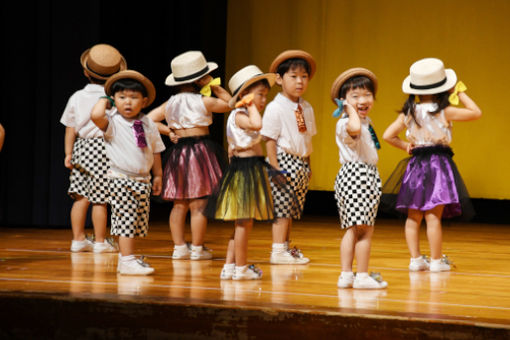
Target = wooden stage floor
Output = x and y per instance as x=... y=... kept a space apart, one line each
x=476 y=293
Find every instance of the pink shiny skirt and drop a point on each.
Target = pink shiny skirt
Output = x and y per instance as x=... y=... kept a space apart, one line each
x=194 y=168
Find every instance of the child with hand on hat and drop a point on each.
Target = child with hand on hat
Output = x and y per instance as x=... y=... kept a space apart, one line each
x=195 y=163
x=357 y=184
x=431 y=186
x=85 y=153
x=288 y=126
x=244 y=193
x=133 y=145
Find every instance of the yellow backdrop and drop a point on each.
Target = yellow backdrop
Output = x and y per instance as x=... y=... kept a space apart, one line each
x=387 y=36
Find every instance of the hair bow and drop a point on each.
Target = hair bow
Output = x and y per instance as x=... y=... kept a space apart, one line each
x=141 y=142
x=454 y=97
x=374 y=137
x=206 y=90
x=340 y=108
x=245 y=101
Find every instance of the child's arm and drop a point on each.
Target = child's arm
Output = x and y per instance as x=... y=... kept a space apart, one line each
x=216 y=104
x=157 y=115
x=157 y=175
x=353 y=123
x=271 y=153
x=98 y=114
x=392 y=132
x=252 y=121
x=470 y=111
x=2 y=136
x=69 y=139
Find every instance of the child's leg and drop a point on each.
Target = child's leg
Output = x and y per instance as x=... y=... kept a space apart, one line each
x=362 y=247
x=347 y=249
x=434 y=231
x=99 y=219
x=230 y=258
x=289 y=227
x=198 y=221
x=412 y=230
x=280 y=229
x=78 y=217
x=243 y=228
x=178 y=221
x=126 y=245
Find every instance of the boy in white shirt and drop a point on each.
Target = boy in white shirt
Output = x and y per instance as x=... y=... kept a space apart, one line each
x=133 y=145
x=85 y=153
x=287 y=127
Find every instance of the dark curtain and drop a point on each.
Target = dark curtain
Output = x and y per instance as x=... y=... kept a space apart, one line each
x=41 y=45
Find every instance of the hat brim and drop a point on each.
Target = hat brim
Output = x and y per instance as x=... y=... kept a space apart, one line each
x=170 y=80
x=348 y=74
x=291 y=54
x=451 y=80
x=271 y=78
x=83 y=61
x=130 y=74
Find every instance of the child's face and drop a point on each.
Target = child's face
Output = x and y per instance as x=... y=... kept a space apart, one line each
x=129 y=103
x=361 y=100
x=294 y=83
x=260 y=91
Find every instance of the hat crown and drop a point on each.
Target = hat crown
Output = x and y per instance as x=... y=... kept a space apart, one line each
x=427 y=71
x=188 y=63
x=103 y=60
x=242 y=76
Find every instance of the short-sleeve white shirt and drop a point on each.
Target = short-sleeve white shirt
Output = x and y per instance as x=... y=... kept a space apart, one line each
x=279 y=123
x=240 y=138
x=187 y=110
x=78 y=108
x=358 y=149
x=121 y=148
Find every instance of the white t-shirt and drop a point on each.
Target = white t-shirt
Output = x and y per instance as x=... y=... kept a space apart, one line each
x=187 y=110
x=359 y=149
x=121 y=147
x=240 y=138
x=78 y=108
x=279 y=123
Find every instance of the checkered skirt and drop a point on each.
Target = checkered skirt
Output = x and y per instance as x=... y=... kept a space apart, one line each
x=90 y=165
x=357 y=193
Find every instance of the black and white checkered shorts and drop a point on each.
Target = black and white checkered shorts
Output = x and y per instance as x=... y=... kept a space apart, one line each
x=290 y=201
x=130 y=205
x=90 y=165
x=357 y=193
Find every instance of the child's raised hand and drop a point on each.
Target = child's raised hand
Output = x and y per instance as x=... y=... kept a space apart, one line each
x=245 y=101
x=348 y=108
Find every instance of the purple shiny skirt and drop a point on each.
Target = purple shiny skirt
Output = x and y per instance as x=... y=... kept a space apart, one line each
x=427 y=179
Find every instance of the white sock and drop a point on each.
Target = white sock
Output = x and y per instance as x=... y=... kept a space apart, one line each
x=347 y=274
x=435 y=261
x=362 y=276
x=279 y=247
x=229 y=266
x=127 y=258
x=197 y=249
x=416 y=259
x=241 y=269
x=181 y=247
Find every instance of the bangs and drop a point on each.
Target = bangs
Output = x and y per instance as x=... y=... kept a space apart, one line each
x=358 y=82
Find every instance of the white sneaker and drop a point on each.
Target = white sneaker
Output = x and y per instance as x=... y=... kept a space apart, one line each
x=440 y=265
x=345 y=280
x=79 y=246
x=247 y=273
x=108 y=246
x=290 y=256
x=135 y=267
x=420 y=263
x=200 y=253
x=372 y=281
x=228 y=271
x=181 y=253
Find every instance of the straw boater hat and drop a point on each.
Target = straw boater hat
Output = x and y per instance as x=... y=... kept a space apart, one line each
x=130 y=74
x=102 y=60
x=291 y=54
x=350 y=73
x=243 y=78
x=428 y=76
x=188 y=67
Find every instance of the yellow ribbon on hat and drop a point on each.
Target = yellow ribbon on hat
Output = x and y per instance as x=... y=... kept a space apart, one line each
x=206 y=90
x=454 y=97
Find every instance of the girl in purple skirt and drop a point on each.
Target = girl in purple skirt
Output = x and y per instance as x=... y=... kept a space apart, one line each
x=431 y=186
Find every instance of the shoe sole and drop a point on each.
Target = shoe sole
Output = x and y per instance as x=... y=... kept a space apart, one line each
x=288 y=262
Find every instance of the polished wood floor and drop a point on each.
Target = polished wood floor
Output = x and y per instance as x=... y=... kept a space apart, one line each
x=476 y=292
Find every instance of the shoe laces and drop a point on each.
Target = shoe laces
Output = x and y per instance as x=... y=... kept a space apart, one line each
x=376 y=276
x=90 y=238
x=111 y=241
x=295 y=252
x=426 y=259
x=141 y=261
x=446 y=260
x=255 y=269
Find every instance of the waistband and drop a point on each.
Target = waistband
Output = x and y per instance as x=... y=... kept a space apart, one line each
x=115 y=173
x=431 y=150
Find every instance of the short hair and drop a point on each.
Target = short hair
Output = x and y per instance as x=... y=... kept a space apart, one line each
x=356 y=82
x=293 y=63
x=128 y=84
x=262 y=82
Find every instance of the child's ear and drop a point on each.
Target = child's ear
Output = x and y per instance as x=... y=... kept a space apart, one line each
x=145 y=101
x=279 y=79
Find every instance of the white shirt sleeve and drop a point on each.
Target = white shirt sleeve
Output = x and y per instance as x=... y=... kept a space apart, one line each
x=271 y=123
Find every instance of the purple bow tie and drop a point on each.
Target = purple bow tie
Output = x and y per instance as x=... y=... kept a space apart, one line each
x=141 y=142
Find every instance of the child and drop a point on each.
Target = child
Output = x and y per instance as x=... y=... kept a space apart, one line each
x=357 y=185
x=85 y=153
x=288 y=126
x=244 y=193
x=431 y=187
x=133 y=145
x=195 y=164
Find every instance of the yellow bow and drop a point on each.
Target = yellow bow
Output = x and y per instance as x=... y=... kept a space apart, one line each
x=206 y=90
x=454 y=97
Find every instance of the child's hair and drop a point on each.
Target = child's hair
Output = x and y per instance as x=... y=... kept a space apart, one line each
x=128 y=84
x=409 y=107
x=262 y=82
x=178 y=88
x=291 y=64
x=357 y=82
x=95 y=80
